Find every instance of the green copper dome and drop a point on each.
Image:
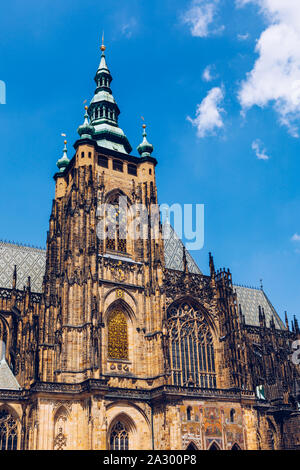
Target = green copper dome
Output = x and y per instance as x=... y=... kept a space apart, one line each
x=104 y=112
x=145 y=148
x=86 y=130
x=63 y=162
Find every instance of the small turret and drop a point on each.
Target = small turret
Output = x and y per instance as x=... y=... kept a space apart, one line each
x=86 y=130
x=14 y=285
x=211 y=265
x=286 y=321
x=145 y=148
x=63 y=162
x=296 y=324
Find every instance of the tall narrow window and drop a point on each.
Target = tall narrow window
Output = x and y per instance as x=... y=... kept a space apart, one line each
x=119 y=437
x=8 y=431
x=116 y=228
x=191 y=348
x=117 y=336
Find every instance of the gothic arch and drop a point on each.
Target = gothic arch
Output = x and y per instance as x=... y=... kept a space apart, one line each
x=121 y=304
x=192 y=446
x=120 y=335
x=189 y=299
x=192 y=345
x=9 y=429
x=116 y=238
x=114 y=193
x=128 y=301
x=61 y=428
x=235 y=447
x=135 y=422
x=214 y=446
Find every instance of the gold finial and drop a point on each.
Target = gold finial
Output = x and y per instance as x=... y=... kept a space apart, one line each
x=102 y=46
x=144 y=126
x=86 y=107
x=65 y=142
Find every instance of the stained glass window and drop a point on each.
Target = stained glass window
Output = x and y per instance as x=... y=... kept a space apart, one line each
x=117 y=336
x=191 y=348
x=119 y=437
x=8 y=431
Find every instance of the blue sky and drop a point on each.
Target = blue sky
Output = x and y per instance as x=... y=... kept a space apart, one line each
x=218 y=83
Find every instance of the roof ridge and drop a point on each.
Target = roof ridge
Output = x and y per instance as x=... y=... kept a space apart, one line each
x=273 y=308
x=21 y=245
x=246 y=287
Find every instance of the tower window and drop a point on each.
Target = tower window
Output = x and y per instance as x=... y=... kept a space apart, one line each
x=132 y=170
x=103 y=161
x=188 y=413
x=116 y=228
x=90 y=154
x=82 y=154
x=232 y=413
x=119 y=437
x=117 y=165
x=117 y=336
x=8 y=431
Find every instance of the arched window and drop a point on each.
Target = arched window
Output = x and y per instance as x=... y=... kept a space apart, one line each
x=188 y=413
x=119 y=437
x=8 y=431
x=191 y=348
x=117 y=335
x=60 y=434
x=116 y=227
x=232 y=413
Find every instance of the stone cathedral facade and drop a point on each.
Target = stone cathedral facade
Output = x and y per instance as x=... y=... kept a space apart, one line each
x=116 y=343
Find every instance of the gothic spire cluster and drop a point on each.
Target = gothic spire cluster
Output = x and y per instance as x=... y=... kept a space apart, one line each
x=101 y=119
x=104 y=112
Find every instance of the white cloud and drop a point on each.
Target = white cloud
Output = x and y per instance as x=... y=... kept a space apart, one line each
x=243 y=37
x=259 y=150
x=200 y=17
x=296 y=237
x=208 y=75
x=208 y=113
x=128 y=27
x=275 y=77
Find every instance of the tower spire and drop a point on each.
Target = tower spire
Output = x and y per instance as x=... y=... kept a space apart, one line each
x=86 y=130
x=145 y=148
x=63 y=162
x=104 y=111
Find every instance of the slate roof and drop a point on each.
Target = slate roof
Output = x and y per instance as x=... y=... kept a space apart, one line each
x=7 y=378
x=29 y=261
x=173 y=248
x=250 y=299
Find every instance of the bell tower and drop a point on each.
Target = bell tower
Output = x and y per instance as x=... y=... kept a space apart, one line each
x=103 y=298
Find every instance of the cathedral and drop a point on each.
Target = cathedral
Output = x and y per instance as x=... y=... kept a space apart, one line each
x=121 y=343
